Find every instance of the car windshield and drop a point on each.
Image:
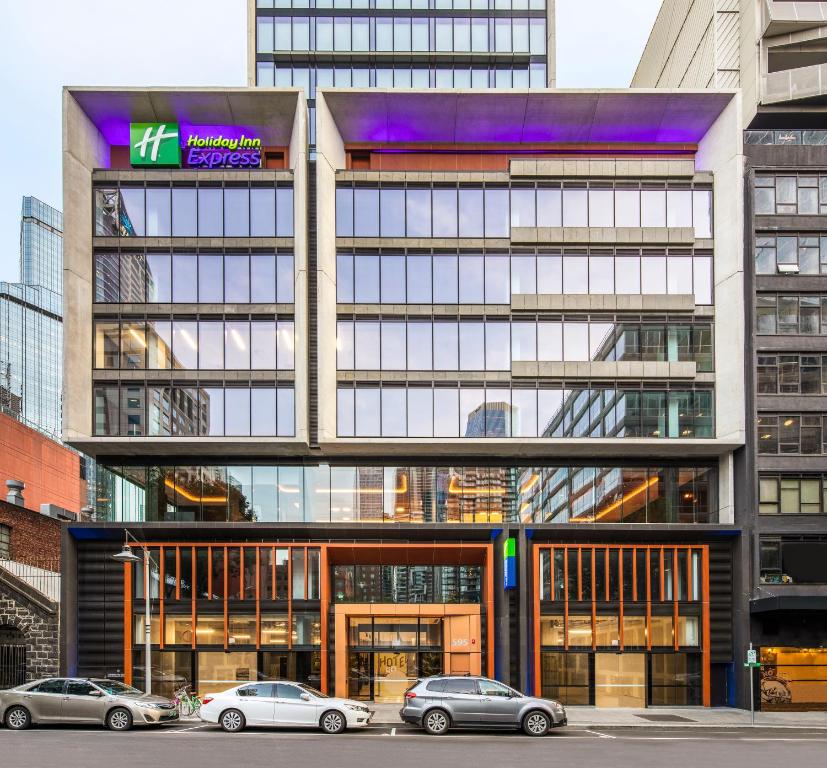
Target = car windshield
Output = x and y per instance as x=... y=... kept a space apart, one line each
x=312 y=691
x=114 y=688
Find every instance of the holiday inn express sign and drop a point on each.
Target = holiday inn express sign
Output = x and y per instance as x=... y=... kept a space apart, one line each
x=160 y=145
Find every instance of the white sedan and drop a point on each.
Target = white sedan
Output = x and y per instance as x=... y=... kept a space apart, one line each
x=282 y=704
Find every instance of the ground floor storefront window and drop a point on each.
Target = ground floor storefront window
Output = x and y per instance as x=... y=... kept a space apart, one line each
x=793 y=679
x=627 y=679
x=209 y=671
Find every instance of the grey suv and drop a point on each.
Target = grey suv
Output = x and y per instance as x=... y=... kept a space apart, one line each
x=440 y=703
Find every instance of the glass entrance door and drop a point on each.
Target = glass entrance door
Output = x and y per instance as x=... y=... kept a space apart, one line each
x=386 y=655
x=620 y=679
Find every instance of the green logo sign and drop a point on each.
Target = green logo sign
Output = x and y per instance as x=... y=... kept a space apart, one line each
x=154 y=144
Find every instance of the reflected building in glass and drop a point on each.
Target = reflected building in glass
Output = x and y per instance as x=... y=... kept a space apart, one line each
x=335 y=408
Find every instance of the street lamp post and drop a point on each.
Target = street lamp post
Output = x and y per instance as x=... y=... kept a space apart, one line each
x=126 y=555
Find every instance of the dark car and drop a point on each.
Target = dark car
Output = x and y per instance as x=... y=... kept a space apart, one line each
x=440 y=703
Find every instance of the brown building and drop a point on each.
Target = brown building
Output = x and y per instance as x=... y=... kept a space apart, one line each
x=50 y=472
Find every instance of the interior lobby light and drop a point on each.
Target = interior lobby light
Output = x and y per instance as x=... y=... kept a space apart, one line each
x=236 y=337
x=137 y=336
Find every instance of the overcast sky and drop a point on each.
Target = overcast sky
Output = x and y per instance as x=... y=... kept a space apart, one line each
x=44 y=46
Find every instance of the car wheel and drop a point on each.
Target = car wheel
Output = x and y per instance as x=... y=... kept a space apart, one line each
x=333 y=722
x=18 y=718
x=436 y=722
x=232 y=721
x=536 y=723
x=119 y=719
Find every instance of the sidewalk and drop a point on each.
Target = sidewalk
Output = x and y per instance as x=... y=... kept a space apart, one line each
x=691 y=717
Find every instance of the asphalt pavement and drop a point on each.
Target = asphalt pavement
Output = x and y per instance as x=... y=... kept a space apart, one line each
x=207 y=746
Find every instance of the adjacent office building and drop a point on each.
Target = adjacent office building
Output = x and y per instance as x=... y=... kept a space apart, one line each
x=31 y=323
x=392 y=44
x=491 y=433
x=773 y=51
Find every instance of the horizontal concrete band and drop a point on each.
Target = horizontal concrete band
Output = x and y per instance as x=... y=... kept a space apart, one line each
x=601 y=369
x=219 y=448
x=184 y=174
x=234 y=243
x=608 y=169
x=607 y=236
x=202 y=376
x=238 y=311
x=608 y=302
x=570 y=370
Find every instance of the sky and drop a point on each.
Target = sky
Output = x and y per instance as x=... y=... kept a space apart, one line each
x=200 y=42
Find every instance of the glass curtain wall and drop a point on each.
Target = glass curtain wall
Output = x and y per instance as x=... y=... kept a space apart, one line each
x=410 y=494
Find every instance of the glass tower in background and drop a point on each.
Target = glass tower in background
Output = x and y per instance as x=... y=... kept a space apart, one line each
x=31 y=323
x=31 y=329
x=402 y=44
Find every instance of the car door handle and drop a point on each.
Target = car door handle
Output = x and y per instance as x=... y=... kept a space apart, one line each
x=486 y=699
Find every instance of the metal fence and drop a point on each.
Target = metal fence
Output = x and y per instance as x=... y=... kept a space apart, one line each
x=42 y=575
x=12 y=665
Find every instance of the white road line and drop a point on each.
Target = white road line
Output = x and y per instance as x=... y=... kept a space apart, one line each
x=601 y=735
x=184 y=730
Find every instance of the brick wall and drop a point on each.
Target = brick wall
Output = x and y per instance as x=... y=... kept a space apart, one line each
x=35 y=538
x=50 y=471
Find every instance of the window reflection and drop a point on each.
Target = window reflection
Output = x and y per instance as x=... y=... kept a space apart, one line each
x=468 y=278
x=474 y=412
x=491 y=211
x=427 y=494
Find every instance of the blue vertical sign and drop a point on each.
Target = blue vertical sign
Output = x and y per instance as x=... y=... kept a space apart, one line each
x=510 y=563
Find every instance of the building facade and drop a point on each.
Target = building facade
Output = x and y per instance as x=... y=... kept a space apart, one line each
x=774 y=51
x=490 y=434
x=31 y=312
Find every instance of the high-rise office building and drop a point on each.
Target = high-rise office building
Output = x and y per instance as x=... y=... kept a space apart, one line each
x=775 y=52
x=519 y=340
x=31 y=323
x=400 y=44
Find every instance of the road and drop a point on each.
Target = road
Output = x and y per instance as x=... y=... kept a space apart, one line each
x=189 y=744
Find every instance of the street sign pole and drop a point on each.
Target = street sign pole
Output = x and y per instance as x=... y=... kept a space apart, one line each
x=752 y=664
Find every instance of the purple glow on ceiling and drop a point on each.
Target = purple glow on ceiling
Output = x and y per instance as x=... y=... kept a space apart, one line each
x=536 y=117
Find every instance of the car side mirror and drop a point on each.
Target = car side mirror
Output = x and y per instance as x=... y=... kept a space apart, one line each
x=96 y=694
x=306 y=697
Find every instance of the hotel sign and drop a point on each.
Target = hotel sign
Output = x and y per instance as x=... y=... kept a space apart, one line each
x=160 y=145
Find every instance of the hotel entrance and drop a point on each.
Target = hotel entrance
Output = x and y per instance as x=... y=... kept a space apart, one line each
x=387 y=654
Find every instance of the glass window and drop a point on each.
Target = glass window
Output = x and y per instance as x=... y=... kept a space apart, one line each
x=184 y=277
x=158 y=212
x=132 y=214
x=185 y=344
x=471 y=213
x=262 y=278
x=158 y=278
x=237 y=278
x=366 y=212
x=237 y=411
x=236 y=345
x=445 y=214
x=210 y=278
x=210 y=212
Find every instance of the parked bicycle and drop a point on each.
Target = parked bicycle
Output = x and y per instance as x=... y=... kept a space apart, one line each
x=187 y=701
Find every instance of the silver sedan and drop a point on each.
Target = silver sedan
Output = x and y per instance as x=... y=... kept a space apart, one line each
x=82 y=701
